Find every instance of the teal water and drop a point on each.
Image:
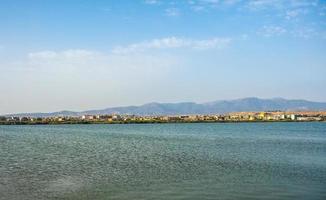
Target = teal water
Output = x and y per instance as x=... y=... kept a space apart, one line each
x=164 y=161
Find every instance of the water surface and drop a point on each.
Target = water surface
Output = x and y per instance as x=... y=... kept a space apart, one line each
x=164 y=161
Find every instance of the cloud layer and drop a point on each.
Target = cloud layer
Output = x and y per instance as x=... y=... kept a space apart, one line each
x=296 y=18
x=136 y=55
x=173 y=43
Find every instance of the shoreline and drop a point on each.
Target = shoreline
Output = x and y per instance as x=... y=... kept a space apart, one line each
x=149 y=122
x=240 y=117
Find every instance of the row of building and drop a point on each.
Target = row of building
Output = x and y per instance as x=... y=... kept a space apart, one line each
x=231 y=117
x=278 y=116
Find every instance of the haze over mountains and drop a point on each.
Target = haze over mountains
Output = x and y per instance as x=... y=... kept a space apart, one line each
x=215 y=107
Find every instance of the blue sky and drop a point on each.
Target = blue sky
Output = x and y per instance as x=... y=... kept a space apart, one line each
x=79 y=54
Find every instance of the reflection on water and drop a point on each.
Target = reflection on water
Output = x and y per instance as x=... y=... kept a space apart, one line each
x=164 y=161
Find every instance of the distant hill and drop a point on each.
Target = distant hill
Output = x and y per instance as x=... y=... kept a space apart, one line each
x=216 y=107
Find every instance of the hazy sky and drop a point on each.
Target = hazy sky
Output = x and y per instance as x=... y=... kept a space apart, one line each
x=82 y=54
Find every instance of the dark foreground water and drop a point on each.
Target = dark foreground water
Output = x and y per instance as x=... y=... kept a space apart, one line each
x=164 y=161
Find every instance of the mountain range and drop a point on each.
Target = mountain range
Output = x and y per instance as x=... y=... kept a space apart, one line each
x=215 y=107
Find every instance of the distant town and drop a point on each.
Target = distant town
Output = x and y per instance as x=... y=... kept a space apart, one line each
x=270 y=116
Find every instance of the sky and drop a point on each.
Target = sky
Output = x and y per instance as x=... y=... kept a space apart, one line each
x=79 y=54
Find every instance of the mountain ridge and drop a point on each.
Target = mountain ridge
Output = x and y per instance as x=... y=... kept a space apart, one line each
x=183 y=108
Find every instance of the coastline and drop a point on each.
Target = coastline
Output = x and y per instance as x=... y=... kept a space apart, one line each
x=149 y=122
x=239 y=117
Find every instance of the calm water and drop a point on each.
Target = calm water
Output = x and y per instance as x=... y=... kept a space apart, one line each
x=164 y=161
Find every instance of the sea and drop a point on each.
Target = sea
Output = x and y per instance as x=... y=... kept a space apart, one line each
x=164 y=161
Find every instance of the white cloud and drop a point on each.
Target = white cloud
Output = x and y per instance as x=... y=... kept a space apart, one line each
x=152 y=2
x=263 y=4
x=134 y=61
x=66 y=54
x=291 y=14
x=280 y=4
x=210 y=1
x=173 y=43
x=172 y=12
x=42 y=55
x=269 y=31
x=218 y=2
x=78 y=60
x=198 y=8
x=131 y=56
x=304 y=3
x=203 y=5
x=67 y=58
x=248 y=4
x=305 y=32
x=232 y=2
